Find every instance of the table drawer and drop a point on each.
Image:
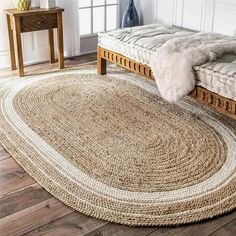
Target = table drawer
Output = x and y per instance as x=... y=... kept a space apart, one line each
x=38 y=22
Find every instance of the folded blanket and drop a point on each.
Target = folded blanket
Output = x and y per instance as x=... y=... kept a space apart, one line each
x=173 y=63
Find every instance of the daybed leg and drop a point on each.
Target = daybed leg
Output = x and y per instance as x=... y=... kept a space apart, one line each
x=101 y=64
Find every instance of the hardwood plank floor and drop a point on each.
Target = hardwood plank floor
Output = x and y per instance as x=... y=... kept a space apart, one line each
x=28 y=196
x=27 y=209
x=3 y=154
x=72 y=224
x=33 y=217
x=13 y=177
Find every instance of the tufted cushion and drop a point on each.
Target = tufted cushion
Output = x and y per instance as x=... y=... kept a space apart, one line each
x=138 y=43
x=219 y=76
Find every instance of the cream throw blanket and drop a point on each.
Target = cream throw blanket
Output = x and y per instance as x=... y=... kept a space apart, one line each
x=173 y=63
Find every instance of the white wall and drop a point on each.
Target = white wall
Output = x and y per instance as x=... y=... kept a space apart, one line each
x=203 y=15
x=35 y=45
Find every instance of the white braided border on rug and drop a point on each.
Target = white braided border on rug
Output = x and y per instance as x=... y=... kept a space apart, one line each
x=121 y=195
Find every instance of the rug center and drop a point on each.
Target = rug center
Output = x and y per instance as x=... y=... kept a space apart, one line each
x=120 y=134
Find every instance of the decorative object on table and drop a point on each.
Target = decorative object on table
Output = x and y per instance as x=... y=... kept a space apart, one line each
x=22 y=5
x=47 y=4
x=130 y=17
x=34 y=20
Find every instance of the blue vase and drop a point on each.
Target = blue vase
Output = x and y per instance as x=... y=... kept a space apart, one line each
x=130 y=17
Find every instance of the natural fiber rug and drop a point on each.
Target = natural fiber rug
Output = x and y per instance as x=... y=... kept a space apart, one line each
x=111 y=148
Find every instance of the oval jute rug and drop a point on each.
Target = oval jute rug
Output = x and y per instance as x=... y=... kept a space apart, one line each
x=111 y=148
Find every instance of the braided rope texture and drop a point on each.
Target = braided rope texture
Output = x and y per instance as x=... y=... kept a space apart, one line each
x=111 y=148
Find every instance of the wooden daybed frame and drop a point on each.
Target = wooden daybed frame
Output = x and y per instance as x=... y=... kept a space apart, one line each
x=222 y=104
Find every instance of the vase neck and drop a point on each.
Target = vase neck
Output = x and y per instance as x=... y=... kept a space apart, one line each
x=131 y=2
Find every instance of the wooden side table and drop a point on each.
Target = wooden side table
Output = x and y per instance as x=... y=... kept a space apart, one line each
x=33 y=20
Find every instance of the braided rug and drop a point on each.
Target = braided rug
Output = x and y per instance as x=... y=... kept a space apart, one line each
x=111 y=148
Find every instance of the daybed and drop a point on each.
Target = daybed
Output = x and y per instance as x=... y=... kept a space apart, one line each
x=132 y=49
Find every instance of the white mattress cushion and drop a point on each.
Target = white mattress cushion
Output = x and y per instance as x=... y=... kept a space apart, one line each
x=139 y=43
x=219 y=76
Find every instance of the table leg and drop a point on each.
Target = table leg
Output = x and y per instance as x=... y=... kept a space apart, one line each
x=19 y=47
x=51 y=46
x=11 y=43
x=60 y=41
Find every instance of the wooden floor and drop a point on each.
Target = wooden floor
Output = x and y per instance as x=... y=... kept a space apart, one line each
x=27 y=209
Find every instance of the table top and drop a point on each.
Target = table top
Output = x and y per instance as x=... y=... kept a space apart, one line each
x=32 y=11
